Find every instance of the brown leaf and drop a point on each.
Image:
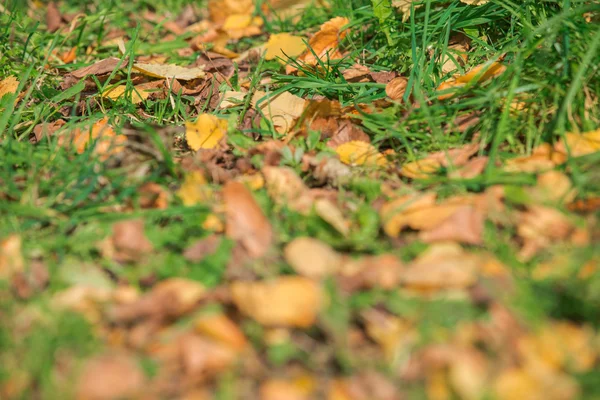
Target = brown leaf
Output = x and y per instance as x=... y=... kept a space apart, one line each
x=129 y=241
x=541 y=226
x=153 y=195
x=45 y=129
x=311 y=257
x=443 y=265
x=286 y=188
x=347 y=132
x=100 y=67
x=170 y=298
x=357 y=73
x=202 y=248
x=285 y=301
x=220 y=328
x=110 y=376
x=370 y=272
x=396 y=88
x=324 y=44
x=280 y=389
x=202 y=358
x=246 y=222
x=465 y=225
x=11 y=259
x=53 y=17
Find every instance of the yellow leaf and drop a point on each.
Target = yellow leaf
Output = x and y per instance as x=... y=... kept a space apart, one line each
x=580 y=144
x=474 y=2
x=479 y=74
x=206 y=132
x=324 y=43
x=283 y=45
x=8 y=85
x=136 y=96
x=284 y=301
x=194 y=189
x=357 y=152
x=169 y=71
x=282 y=110
x=107 y=141
x=242 y=25
x=420 y=169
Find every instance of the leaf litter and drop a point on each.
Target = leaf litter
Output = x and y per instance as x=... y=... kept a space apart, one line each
x=288 y=244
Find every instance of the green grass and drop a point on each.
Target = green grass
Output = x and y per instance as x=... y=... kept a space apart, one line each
x=62 y=204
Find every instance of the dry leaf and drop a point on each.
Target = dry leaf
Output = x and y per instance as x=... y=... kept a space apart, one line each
x=11 y=259
x=220 y=328
x=8 y=85
x=331 y=214
x=396 y=88
x=282 y=110
x=478 y=74
x=110 y=376
x=370 y=272
x=579 y=144
x=202 y=248
x=421 y=169
x=360 y=153
x=552 y=187
x=237 y=26
x=292 y=301
x=404 y=6
x=219 y=10
x=283 y=45
x=69 y=56
x=312 y=258
x=474 y=2
x=541 y=226
x=357 y=73
x=206 y=133
x=99 y=68
x=194 y=189
x=286 y=188
x=465 y=225
x=324 y=44
x=442 y=266
x=169 y=71
x=246 y=222
x=53 y=17
x=279 y=389
x=107 y=142
x=129 y=240
x=394 y=335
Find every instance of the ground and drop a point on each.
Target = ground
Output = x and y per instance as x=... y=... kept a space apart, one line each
x=281 y=199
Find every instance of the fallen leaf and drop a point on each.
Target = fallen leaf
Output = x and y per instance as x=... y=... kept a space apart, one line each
x=170 y=298
x=405 y=6
x=110 y=376
x=169 y=71
x=357 y=73
x=11 y=258
x=543 y=158
x=206 y=133
x=292 y=301
x=246 y=222
x=137 y=94
x=237 y=26
x=219 y=327
x=195 y=189
x=219 y=10
x=331 y=214
x=100 y=67
x=283 y=45
x=312 y=258
x=324 y=44
x=202 y=358
x=360 y=153
x=286 y=188
x=69 y=56
x=465 y=225
x=442 y=266
x=202 y=248
x=129 y=240
x=394 y=335
x=152 y=195
x=396 y=88
x=478 y=74
x=421 y=169
x=8 y=85
x=53 y=17
x=552 y=187
x=106 y=142
x=282 y=109
x=579 y=144
x=280 y=389
x=371 y=272
x=474 y=2
x=539 y=227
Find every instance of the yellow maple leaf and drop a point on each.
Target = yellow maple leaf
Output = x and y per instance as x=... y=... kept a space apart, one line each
x=357 y=152
x=194 y=189
x=282 y=45
x=206 y=133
